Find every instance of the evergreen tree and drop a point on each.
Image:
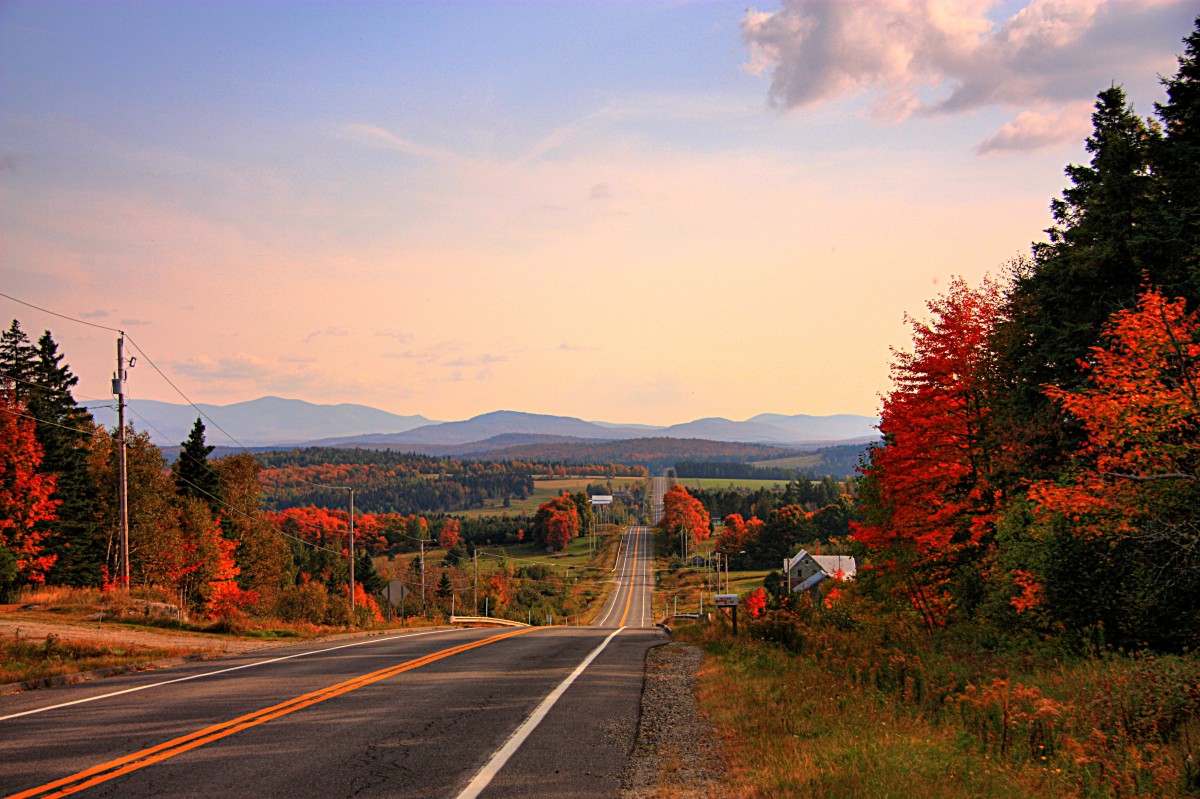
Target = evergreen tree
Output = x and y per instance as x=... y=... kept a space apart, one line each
x=1177 y=163
x=365 y=574
x=1098 y=256
x=64 y=430
x=17 y=360
x=194 y=477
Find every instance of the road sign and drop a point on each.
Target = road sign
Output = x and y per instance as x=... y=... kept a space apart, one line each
x=726 y=600
x=602 y=499
x=396 y=592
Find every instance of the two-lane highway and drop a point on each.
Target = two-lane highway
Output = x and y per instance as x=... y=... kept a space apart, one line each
x=541 y=712
x=630 y=604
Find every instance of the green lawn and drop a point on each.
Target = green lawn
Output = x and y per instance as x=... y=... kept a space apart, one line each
x=544 y=490
x=795 y=462
x=727 y=482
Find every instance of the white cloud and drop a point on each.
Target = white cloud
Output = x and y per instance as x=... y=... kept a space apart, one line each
x=931 y=56
x=1032 y=130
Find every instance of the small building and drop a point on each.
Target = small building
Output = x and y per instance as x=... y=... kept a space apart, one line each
x=805 y=571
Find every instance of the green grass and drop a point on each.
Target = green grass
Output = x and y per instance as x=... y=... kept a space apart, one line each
x=544 y=490
x=727 y=482
x=794 y=462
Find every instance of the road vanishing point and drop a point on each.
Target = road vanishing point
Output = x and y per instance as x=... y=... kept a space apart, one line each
x=464 y=713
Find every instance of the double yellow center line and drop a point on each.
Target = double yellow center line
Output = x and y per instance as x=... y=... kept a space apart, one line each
x=146 y=757
x=637 y=541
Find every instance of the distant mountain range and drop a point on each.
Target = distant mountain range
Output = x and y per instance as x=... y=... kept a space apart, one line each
x=266 y=421
x=274 y=421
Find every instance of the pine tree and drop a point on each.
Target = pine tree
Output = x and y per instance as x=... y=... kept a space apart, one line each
x=63 y=430
x=1099 y=254
x=1177 y=162
x=194 y=477
x=17 y=361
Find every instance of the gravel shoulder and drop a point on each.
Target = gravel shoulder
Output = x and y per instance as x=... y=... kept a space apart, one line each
x=676 y=754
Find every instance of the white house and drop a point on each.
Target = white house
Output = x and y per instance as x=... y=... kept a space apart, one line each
x=805 y=571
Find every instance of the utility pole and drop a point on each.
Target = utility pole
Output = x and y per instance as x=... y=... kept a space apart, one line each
x=475 y=566
x=118 y=388
x=350 y=547
x=351 y=555
x=422 y=578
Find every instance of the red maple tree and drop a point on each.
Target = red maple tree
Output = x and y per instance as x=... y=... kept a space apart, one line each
x=928 y=496
x=683 y=514
x=24 y=493
x=556 y=522
x=1142 y=418
x=450 y=535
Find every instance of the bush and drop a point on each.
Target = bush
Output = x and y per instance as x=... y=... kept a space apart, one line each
x=307 y=602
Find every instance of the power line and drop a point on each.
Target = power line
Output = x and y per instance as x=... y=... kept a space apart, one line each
x=60 y=316
x=97 y=433
x=179 y=391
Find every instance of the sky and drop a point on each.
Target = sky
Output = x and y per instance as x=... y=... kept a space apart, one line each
x=635 y=212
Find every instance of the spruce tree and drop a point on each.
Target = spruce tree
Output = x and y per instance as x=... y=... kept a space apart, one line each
x=64 y=430
x=194 y=477
x=17 y=360
x=1095 y=263
x=1177 y=164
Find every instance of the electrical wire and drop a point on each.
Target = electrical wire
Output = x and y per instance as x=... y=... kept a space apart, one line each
x=96 y=433
x=60 y=316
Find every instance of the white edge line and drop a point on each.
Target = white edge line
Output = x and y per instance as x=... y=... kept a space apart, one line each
x=214 y=673
x=486 y=774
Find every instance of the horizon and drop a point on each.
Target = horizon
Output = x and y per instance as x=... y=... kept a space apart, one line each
x=657 y=211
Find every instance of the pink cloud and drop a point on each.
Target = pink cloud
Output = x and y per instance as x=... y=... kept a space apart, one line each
x=1033 y=131
x=929 y=56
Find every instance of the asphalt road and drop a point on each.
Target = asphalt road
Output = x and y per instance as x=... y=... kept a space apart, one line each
x=543 y=712
x=630 y=605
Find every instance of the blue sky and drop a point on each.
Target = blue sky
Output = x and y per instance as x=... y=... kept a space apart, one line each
x=630 y=211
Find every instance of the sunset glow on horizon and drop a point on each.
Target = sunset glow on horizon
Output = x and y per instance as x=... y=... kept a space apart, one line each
x=637 y=212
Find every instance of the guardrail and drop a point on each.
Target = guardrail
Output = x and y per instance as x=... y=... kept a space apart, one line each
x=486 y=620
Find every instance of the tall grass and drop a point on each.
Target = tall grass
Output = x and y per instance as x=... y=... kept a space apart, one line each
x=25 y=659
x=860 y=704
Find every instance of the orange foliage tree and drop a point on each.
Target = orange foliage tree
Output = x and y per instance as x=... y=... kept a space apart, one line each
x=1139 y=465
x=450 y=535
x=683 y=515
x=928 y=498
x=225 y=598
x=738 y=534
x=556 y=522
x=24 y=493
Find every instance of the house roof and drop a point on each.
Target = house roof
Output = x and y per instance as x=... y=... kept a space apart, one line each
x=832 y=564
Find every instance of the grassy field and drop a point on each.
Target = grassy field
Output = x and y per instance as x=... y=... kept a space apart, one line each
x=581 y=577
x=795 y=462
x=543 y=491
x=726 y=482
x=793 y=729
x=854 y=705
